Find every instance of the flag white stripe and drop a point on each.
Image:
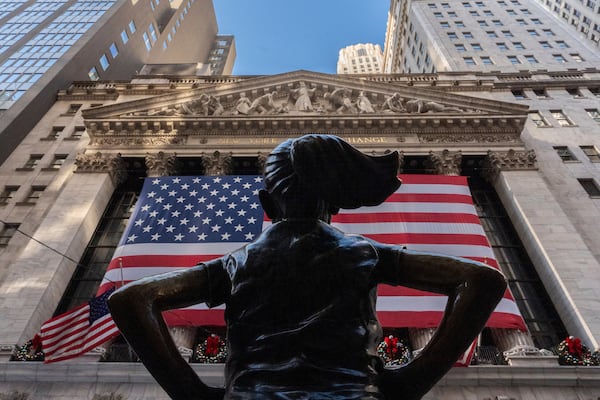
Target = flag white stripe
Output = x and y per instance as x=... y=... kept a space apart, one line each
x=420 y=207
x=48 y=326
x=433 y=188
x=410 y=227
x=409 y=304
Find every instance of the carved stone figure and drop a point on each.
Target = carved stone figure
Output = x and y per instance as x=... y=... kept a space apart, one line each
x=340 y=101
x=264 y=104
x=393 y=104
x=242 y=106
x=364 y=104
x=420 y=106
x=303 y=96
x=300 y=300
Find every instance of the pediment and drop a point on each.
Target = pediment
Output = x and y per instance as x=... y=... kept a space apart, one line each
x=306 y=100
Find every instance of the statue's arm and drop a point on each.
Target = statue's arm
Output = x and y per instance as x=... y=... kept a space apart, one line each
x=473 y=291
x=136 y=308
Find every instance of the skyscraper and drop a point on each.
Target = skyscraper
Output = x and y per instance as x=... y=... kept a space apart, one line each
x=503 y=35
x=46 y=44
x=582 y=16
x=363 y=58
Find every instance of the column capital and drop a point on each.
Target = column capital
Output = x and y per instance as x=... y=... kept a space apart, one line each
x=445 y=162
x=161 y=164
x=217 y=163
x=511 y=160
x=110 y=163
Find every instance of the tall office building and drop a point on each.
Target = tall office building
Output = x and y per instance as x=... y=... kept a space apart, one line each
x=503 y=35
x=363 y=58
x=46 y=44
x=582 y=16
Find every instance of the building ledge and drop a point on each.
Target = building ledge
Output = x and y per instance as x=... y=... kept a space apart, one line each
x=212 y=374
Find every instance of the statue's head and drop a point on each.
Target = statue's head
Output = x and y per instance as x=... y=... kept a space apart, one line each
x=315 y=175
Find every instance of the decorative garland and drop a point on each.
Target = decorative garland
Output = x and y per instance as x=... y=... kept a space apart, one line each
x=30 y=351
x=572 y=352
x=212 y=350
x=393 y=351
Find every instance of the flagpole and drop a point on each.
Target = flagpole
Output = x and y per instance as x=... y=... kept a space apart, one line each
x=121 y=268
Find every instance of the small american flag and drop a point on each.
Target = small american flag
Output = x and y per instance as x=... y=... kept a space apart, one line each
x=78 y=331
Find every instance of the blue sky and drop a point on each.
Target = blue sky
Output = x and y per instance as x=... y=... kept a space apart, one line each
x=276 y=36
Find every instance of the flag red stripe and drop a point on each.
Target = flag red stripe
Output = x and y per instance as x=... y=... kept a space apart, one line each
x=409 y=179
x=429 y=238
x=429 y=198
x=407 y=217
x=431 y=319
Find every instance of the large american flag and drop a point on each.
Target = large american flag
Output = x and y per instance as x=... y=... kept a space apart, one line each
x=181 y=221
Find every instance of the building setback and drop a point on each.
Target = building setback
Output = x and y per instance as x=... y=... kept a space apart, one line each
x=45 y=45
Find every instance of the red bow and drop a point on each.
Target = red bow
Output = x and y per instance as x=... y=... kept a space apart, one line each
x=391 y=343
x=575 y=346
x=212 y=346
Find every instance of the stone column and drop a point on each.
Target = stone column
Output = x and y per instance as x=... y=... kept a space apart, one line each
x=440 y=163
x=512 y=342
x=165 y=164
x=217 y=164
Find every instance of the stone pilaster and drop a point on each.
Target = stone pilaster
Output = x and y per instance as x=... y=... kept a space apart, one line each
x=217 y=163
x=261 y=163
x=511 y=160
x=110 y=163
x=445 y=162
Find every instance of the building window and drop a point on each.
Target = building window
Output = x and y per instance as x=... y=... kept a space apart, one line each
x=438 y=15
x=73 y=108
x=32 y=162
x=488 y=13
x=482 y=23
x=486 y=60
x=595 y=91
x=460 y=47
x=548 y=32
x=114 y=51
x=541 y=93
x=561 y=44
x=514 y=60
x=8 y=194
x=469 y=61
x=507 y=34
x=57 y=161
x=561 y=118
x=538 y=119
x=474 y=13
x=559 y=58
x=591 y=152
x=467 y=35
x=466 y=4
x=77 y=133
x=536 y=21
x=545 y=45
x=497 y=22
x=519 y=94
x=54 y=133
x=565 y=154
x=147 y=41
x=502 y=46
x=452 y=35
x=93 y=74
x=594 y=114
x=131 y=26
x=577 y=58
x=476 y=46
x=153 y=37
x=104 y=62
x=124 y=37
x=531 y=59
x=575 y=92
x=7 y=232
x=34 y=194
x=590 y=186
x=521 y=22
x=459 y=24
x=491 y=34
x=532 y=32
x=518 y=45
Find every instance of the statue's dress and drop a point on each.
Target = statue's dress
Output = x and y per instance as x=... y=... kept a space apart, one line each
x=300 y=313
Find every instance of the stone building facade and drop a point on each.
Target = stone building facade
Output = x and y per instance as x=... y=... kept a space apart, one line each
x=531 y=162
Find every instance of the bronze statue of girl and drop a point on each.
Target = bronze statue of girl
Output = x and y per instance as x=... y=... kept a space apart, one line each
x=300 y=300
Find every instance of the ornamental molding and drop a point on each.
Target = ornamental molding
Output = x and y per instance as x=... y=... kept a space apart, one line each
x=511 y=160
x=474 y=139
x=445 y=162
x=297 y=103
x=217 y=163
x=99 y=162
x=161 y=164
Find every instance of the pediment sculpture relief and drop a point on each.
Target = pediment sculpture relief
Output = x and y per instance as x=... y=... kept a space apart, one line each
x=303 y=98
